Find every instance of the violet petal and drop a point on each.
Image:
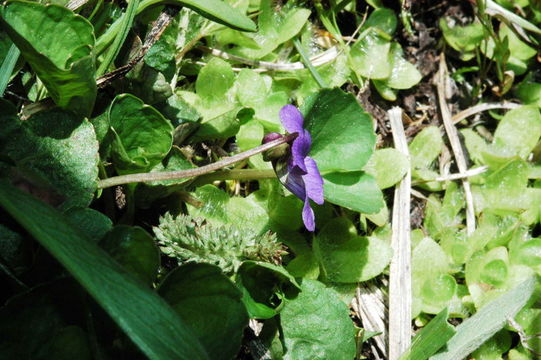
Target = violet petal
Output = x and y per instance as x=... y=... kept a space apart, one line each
x=313 y=182
x=308 y=216
x=294 y=182
x=291 y=119
x=301 y=148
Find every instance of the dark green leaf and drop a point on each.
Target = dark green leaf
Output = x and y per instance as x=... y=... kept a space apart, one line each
x=338 y=125
x=316 y=325
x=40 y=324
x=134 y=249
x=207 y=300
x=90 y=222
x=58 y=44
x=56 y=149
x=144 y=316
x=356 y=190
x=264 y=287
x=143 y=137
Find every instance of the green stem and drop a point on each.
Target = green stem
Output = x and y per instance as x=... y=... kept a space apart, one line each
x=124 y=29
x=104 y=40
x=182 y=174
x=306 y=61
x=237 y=174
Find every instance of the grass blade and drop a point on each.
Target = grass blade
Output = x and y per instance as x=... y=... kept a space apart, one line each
x=486 y=322
x=431 y=338
x=144 y=316
x=7 y=67
x=126 y=23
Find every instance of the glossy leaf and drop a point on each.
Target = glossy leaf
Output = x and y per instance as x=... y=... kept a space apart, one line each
x=58 y=44
x=264 y=288
x=142 y=136
x=404 y=75
x=346 y=257
x=370 y=57
x=214 y=80
x=207 y=300
x=356 y=190
x=145 y=317
x=338 y=125
x=464 y=39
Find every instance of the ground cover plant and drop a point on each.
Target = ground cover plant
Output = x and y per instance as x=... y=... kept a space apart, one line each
x=262 y=179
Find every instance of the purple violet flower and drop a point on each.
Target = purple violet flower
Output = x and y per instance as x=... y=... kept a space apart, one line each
x=298 y=172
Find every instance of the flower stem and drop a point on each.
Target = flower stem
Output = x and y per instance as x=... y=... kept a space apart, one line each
x=306 y=60
x=237 y=174
x=182 y=174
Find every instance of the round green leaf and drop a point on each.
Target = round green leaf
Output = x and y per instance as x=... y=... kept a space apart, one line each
x=437 y=292
x=346 y=257
x=494 y=272
x=356 y=190
x=134 y=249
x=142 y=136
x=214 y=80
x=91 y=222
x=316 y=325
x=338 y=125
x=388 y=166
x=518 y=132
x=528 y=253
x=264 y=286
x=211 y=304
x=404 y=75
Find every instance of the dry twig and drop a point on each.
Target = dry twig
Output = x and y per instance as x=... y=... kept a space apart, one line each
x=158 y=27
x=400 y=294
x=454 y=140
x=369 y=304
x=482 y=107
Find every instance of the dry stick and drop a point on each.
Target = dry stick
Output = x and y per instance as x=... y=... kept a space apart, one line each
x=400 y=294
x=369 y=304
x=470 y=173
x=480 y=108
x=317 y=60
x=76 y=4
x=158 y=27
x=454 y=140
x=183 y=174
